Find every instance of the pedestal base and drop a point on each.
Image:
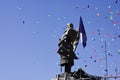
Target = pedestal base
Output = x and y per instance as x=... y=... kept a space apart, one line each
x=77 y=75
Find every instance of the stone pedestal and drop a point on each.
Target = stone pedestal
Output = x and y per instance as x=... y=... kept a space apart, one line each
x=76 y=75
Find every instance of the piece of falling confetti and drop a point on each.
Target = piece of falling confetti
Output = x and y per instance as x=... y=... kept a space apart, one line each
x=95 y=50
x=107 y=35
x=106 y=70
x=111 y=11
x=83 y=7
x=116 y=1
x=98 y=14
x=37 y=22
x=19 y=8
x=99 y=33
x=93 y=39
x=76 y=6
x=102 y=39
x=118 y=36
x=96 y=8
x=106 y=17
x=119 y=51
x=118 y=13
x=100 y=59
x=85 y=65
x=23 y=22
x=93 y=33
x=95 y=60
x=102 y=66
x=88 y=6
x=91 y=57
x=109 y=6
x=64 y=17
x=102 y=28
x=49 y=14
x=34 y=32
x=89 y=22
x=111 y=18
x=102 y=46
x=58 y=19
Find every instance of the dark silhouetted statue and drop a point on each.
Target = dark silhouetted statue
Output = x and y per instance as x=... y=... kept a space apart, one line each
x=67 y=46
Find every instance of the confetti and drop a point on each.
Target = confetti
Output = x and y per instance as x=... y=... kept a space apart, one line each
x=95 y=60
x=102 y=66
x=49 y=14
x=93 y=39
x=106 y=70
x=100 y=59
x=93 y=33
x=119 y=14
x=19 y=8
x=116 y=1
x=101 y=46
x=89 y=22
x=96 y=8
x=111 y=18
x=111 y=11
x=64 y=17
x=85 y=65
x=102 y=39
x=37 y=22
x=94 y=50
x=58 y=19
x=23 y=22
x=118 y=36
x=98 y=14
x=119 y=51
x=112 y=39
x=77 y=53
x=106 y=17
x=107 y=35
x=88 y=6
x=98 y=30
x=102 y=28
x=99 y=33
x=34 y=32
x=109 y=6
x=91 y=57
x=76 y=6
x=83 y=7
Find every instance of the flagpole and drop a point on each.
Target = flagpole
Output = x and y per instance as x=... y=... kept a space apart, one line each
x=116 y=71
x=106 y=59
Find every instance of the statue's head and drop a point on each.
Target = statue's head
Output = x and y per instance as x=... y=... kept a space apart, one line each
x=69 y=26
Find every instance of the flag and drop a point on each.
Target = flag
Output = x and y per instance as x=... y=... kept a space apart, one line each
x=82 y=32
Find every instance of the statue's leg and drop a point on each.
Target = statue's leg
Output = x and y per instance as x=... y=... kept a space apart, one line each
x=68 y=67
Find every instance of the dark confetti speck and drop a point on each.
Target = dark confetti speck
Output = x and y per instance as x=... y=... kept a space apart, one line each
x=23 y=22
x=98 y=33
x=98 y=30
x=105 y=17
x=106 y=70
x=116 y=1
x=101 y=46
x=91 y=57
x=88 y=6
x=85 y=65
x=95 y=60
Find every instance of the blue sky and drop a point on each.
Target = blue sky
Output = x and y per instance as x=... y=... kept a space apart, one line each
x=30 y=31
